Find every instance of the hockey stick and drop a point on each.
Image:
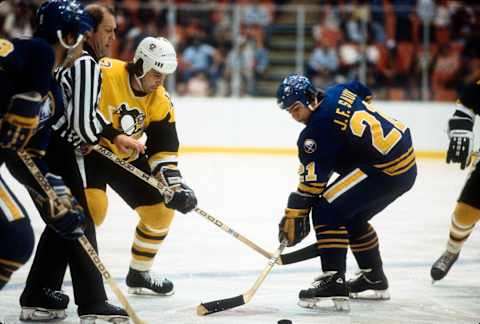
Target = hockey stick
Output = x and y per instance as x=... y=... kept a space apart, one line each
x=165 y=190
x=87 y=246
x=223 y=304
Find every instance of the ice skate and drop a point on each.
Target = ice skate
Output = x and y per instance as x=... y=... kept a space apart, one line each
x=89 y=314
x=147 y=283
x=369 y=285
x=45 y=306
x=443 y=264
x=328 y=286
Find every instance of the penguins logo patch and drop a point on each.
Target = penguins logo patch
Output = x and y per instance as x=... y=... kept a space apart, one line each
x=309 y=146
x=130 y=119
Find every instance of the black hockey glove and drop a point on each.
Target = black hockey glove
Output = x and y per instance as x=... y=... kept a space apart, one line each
x=183 y=198
x=68 y=219
x=460 y=131
x=295 y=225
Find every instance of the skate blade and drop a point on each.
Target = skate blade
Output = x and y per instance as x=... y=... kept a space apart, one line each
x=38 y=314
x=147 y=292
x=97 y=319
x=341 y=303
x=371 y=295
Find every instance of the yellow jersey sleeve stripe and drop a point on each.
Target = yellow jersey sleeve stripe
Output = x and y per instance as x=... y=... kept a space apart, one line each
x=348 y=182
x=8 y=205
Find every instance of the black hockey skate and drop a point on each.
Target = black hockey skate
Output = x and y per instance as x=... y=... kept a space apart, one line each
x=102 y=311
x=44 y=306
x=329 y=285
x=369 y=285
x=443 y=264
x=146 y=283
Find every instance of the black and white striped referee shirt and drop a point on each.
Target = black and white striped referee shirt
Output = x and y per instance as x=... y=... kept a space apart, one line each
x=81 y=83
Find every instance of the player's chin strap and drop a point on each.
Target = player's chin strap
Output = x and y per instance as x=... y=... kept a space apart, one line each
x=69 y=47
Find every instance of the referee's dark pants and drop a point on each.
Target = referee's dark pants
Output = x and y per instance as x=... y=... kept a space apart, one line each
x=53 y=253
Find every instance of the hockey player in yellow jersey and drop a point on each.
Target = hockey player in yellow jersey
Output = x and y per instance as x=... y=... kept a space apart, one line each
x=135 y=101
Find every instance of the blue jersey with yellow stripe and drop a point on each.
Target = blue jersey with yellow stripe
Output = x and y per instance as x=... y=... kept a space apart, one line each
x=346 y=131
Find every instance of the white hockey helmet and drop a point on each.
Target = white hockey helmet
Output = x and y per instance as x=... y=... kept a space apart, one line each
x=156 y=53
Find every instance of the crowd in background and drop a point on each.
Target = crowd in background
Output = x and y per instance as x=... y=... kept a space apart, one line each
x=380 y=41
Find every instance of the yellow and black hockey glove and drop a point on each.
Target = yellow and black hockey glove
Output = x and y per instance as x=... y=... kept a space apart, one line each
x=295 y=224
x=21 y=120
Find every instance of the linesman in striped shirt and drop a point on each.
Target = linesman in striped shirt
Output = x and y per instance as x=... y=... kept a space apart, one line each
x=81 y=125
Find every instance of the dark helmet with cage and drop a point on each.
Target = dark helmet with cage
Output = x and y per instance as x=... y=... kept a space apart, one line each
x=295 y=88
x=55 y=19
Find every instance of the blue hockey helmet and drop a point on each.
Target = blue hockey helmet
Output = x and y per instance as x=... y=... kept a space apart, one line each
x=57 y=18
x=295 y=88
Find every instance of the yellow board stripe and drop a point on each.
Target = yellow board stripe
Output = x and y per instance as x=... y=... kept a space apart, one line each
x=9 y=206
x=352 y=179
x=276 y=151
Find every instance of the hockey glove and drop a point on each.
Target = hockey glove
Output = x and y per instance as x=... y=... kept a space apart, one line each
x=66 y=217
x=295 y=225
x=20 y=121
x=183 y=198
x=460 y=131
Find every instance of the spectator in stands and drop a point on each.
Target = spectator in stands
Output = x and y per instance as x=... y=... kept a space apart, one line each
x=322 y=64
x=18 y=23
x=201 y=57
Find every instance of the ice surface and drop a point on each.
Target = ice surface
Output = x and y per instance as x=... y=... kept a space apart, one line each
x=248 y=193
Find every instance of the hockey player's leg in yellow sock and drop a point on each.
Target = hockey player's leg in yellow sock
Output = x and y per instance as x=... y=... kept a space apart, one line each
x=149 y=235
x=464 y=218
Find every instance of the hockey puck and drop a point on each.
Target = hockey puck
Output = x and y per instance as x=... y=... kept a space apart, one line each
x=284 y=321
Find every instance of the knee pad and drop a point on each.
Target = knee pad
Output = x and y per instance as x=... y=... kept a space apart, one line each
x=97 y=202
x=465 y=215
x=156 y=217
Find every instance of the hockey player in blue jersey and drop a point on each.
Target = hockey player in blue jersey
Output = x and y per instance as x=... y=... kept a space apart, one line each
x=26 y=102
x=374 y=158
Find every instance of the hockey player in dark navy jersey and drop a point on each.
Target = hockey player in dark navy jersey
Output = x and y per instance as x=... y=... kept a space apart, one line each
x=27 y=101
x=467 y=210
x=373 y=156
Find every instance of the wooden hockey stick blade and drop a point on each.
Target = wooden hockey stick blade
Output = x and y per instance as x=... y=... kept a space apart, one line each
x=83 y=240
x=228 y=303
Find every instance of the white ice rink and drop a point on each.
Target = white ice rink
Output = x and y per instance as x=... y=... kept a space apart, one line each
x=249 y=193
